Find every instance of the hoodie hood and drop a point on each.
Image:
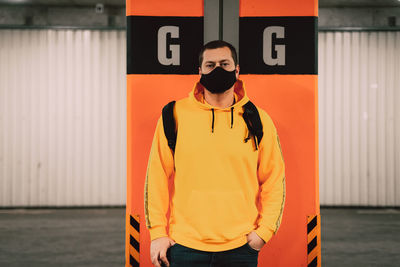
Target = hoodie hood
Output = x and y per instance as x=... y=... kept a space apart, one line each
x=197 y=96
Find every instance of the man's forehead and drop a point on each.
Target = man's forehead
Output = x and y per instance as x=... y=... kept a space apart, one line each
x=219 y=60
x=217 y=54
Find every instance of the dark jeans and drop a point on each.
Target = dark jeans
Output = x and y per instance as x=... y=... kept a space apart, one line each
x=181 y=256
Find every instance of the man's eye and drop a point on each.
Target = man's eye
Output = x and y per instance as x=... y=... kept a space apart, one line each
x=209 y=65
x=225 y=64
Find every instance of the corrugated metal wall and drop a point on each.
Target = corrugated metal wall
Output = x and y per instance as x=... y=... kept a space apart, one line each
x=359 y=118
x=62 y=117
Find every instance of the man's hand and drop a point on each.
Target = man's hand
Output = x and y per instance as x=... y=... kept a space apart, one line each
x=158 y=250
x=255 y=241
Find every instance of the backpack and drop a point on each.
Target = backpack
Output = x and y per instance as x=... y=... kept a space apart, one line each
x=250 y=116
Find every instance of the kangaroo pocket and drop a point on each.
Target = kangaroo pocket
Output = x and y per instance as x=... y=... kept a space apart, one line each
x=217 y=217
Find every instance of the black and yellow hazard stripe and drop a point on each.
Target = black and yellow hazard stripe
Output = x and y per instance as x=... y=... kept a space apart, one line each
x=314 y=241
x=134 y=248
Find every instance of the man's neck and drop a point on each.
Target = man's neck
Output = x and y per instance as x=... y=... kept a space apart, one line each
x=223 y=100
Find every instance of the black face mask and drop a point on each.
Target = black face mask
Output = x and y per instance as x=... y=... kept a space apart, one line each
x=219 y=80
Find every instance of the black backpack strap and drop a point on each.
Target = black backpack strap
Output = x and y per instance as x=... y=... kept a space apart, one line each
x=169 y=124
x=253 y=121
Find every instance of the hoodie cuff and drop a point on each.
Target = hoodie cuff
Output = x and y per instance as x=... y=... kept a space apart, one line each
x=157 y=232
x=265 y=233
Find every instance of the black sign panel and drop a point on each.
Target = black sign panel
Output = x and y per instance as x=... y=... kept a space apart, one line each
x=278 y=45
x=163 y=45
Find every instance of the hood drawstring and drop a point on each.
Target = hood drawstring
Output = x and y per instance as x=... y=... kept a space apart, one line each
x=234 y=101
x=231 y=117
x=212 y=109
x=212 y=126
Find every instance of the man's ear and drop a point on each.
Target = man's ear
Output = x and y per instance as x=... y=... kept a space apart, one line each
x=237 y=71
x=199 y=71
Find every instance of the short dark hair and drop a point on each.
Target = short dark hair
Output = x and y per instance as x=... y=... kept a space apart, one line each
x=217 y=44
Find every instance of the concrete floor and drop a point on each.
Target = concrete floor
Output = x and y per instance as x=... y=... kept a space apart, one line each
x=62 y=237
x=360 y=237
x=95 y=237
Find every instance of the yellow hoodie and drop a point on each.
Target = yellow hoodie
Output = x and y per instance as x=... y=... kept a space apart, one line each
x=223 y=187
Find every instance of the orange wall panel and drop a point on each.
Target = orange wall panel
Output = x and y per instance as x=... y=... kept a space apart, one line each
x=290 y=100
x=177 y=8
x=271 y=8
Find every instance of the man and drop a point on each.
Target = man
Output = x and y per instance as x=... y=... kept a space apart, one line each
x=229 y=189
